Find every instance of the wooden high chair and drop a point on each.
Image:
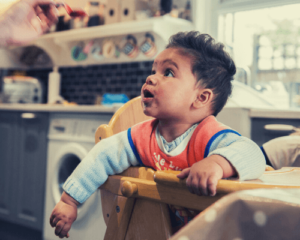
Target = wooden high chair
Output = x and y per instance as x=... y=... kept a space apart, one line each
x=135 y=203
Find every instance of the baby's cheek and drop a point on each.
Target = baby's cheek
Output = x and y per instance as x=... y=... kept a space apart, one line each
x=164 y=91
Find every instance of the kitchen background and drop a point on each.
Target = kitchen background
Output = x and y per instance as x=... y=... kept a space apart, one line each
x=100 y=60
x=262 y=38
x=47 y=125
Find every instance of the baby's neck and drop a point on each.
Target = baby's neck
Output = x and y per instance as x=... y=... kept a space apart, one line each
x=172 y=130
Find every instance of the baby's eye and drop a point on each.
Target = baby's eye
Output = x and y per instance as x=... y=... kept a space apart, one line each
x=169 y=73
x=152 y=72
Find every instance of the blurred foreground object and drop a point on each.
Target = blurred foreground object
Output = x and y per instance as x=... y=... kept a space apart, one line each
x=25 y=21
x=283 y=151
x=251 y=214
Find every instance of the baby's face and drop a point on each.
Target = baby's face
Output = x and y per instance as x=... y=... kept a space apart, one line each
x=171 y=88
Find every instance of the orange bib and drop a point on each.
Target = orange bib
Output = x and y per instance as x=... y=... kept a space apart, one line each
x=143 y=143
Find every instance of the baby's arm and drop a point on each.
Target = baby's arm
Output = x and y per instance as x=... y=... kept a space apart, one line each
x=110 y=156
x=229 y=155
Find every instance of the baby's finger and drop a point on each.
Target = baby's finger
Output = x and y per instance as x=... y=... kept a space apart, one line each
x=55 y=221
x=189 y=183
x=195 y=186
x=212 y=185
x=52 y=220
x=203 y=186
x=65 y=230
x=58 y=228
x=184 y=173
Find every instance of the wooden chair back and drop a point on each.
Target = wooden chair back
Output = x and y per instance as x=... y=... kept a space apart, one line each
x=125 y=117
x=117 y=209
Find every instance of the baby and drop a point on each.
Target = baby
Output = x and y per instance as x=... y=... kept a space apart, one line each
x=189 y=85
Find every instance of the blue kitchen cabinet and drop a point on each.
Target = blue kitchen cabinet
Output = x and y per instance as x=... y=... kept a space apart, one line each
x=8 y=131
x=260 y=135
x=23 y=154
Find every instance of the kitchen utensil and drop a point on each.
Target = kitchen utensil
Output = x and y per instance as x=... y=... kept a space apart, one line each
x=148 y=47
x=130 y=47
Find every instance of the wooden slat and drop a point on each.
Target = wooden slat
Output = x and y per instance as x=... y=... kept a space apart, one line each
x=107 y=201
x=139 y=172
x=149 y=220
x=119 y=218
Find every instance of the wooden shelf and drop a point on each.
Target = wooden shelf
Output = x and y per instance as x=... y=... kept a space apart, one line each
x=58 y=44
x=163 y=26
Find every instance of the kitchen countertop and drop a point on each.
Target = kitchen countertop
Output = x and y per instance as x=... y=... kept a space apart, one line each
x=59 y=108
x=293 y=113
x=253 y=113
x=275 y=113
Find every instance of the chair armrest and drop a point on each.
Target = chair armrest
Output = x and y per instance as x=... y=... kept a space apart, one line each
x=147 y=189
x=164 y=186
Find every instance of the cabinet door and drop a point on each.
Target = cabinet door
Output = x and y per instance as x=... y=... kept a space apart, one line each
x=31 y=169
x=8 y=122
x=260 y=135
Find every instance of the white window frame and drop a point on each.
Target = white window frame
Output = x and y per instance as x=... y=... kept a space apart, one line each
x=206 y=12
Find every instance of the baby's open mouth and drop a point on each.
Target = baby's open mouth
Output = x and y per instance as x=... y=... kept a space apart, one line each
x=148 y=94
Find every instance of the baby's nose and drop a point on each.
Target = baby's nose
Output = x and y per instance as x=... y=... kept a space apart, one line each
x=151 y=80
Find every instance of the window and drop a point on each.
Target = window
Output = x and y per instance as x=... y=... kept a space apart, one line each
x=266 y=42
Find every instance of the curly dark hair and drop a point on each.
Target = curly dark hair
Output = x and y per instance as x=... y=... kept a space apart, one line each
x=211 y=64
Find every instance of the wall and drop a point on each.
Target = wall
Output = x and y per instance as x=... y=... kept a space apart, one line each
x=83 y=85
x=7 y=59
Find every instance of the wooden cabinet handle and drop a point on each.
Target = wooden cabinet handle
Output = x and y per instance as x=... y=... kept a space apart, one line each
x=279 y=127
x=128 y=189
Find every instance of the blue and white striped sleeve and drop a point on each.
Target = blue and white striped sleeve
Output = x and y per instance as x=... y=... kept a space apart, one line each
x=110 y=156
x=244 y=155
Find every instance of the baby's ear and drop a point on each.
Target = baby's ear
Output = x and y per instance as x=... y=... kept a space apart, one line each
x=204 y=97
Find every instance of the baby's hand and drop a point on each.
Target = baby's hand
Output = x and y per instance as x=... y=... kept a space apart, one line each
x=63 y=215
x=203 y=176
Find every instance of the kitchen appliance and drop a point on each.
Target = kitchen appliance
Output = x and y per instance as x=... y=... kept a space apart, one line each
x=71 y=137
x=21 y=89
